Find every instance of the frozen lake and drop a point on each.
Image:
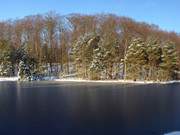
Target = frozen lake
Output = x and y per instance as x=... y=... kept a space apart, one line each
x=69 y=108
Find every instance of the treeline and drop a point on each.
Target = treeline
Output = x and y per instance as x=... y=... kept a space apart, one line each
x=90 y=46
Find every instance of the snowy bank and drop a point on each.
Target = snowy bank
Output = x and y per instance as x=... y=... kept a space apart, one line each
x=117 y=81
x=92 y=81
x=4 y=79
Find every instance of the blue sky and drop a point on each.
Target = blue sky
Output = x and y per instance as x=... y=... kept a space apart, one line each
x=164 y=13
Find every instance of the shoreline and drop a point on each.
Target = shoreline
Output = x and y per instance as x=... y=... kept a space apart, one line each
x=8 y=79
x=117 y=81
x=14 y=79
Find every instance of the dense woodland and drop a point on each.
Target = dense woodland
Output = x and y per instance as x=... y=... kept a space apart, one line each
x=102 y=46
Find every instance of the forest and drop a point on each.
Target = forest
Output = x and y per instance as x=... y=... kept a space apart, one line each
x=97 y=47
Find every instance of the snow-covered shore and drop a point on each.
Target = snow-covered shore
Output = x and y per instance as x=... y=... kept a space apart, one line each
x=3 y=79
x=117 y=81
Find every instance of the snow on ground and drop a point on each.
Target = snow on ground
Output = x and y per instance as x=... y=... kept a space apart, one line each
x=8 y=79
x=173 y=133
x=116 y=81
x=49 y=78
x=92 y=81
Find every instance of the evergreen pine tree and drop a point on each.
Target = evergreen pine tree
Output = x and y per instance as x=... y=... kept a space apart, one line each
x=82 y=53
x=98 y=64
x=27 y=65
x=154 y=53
x=169 y=62
x=6 y=59
x=136 y=60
